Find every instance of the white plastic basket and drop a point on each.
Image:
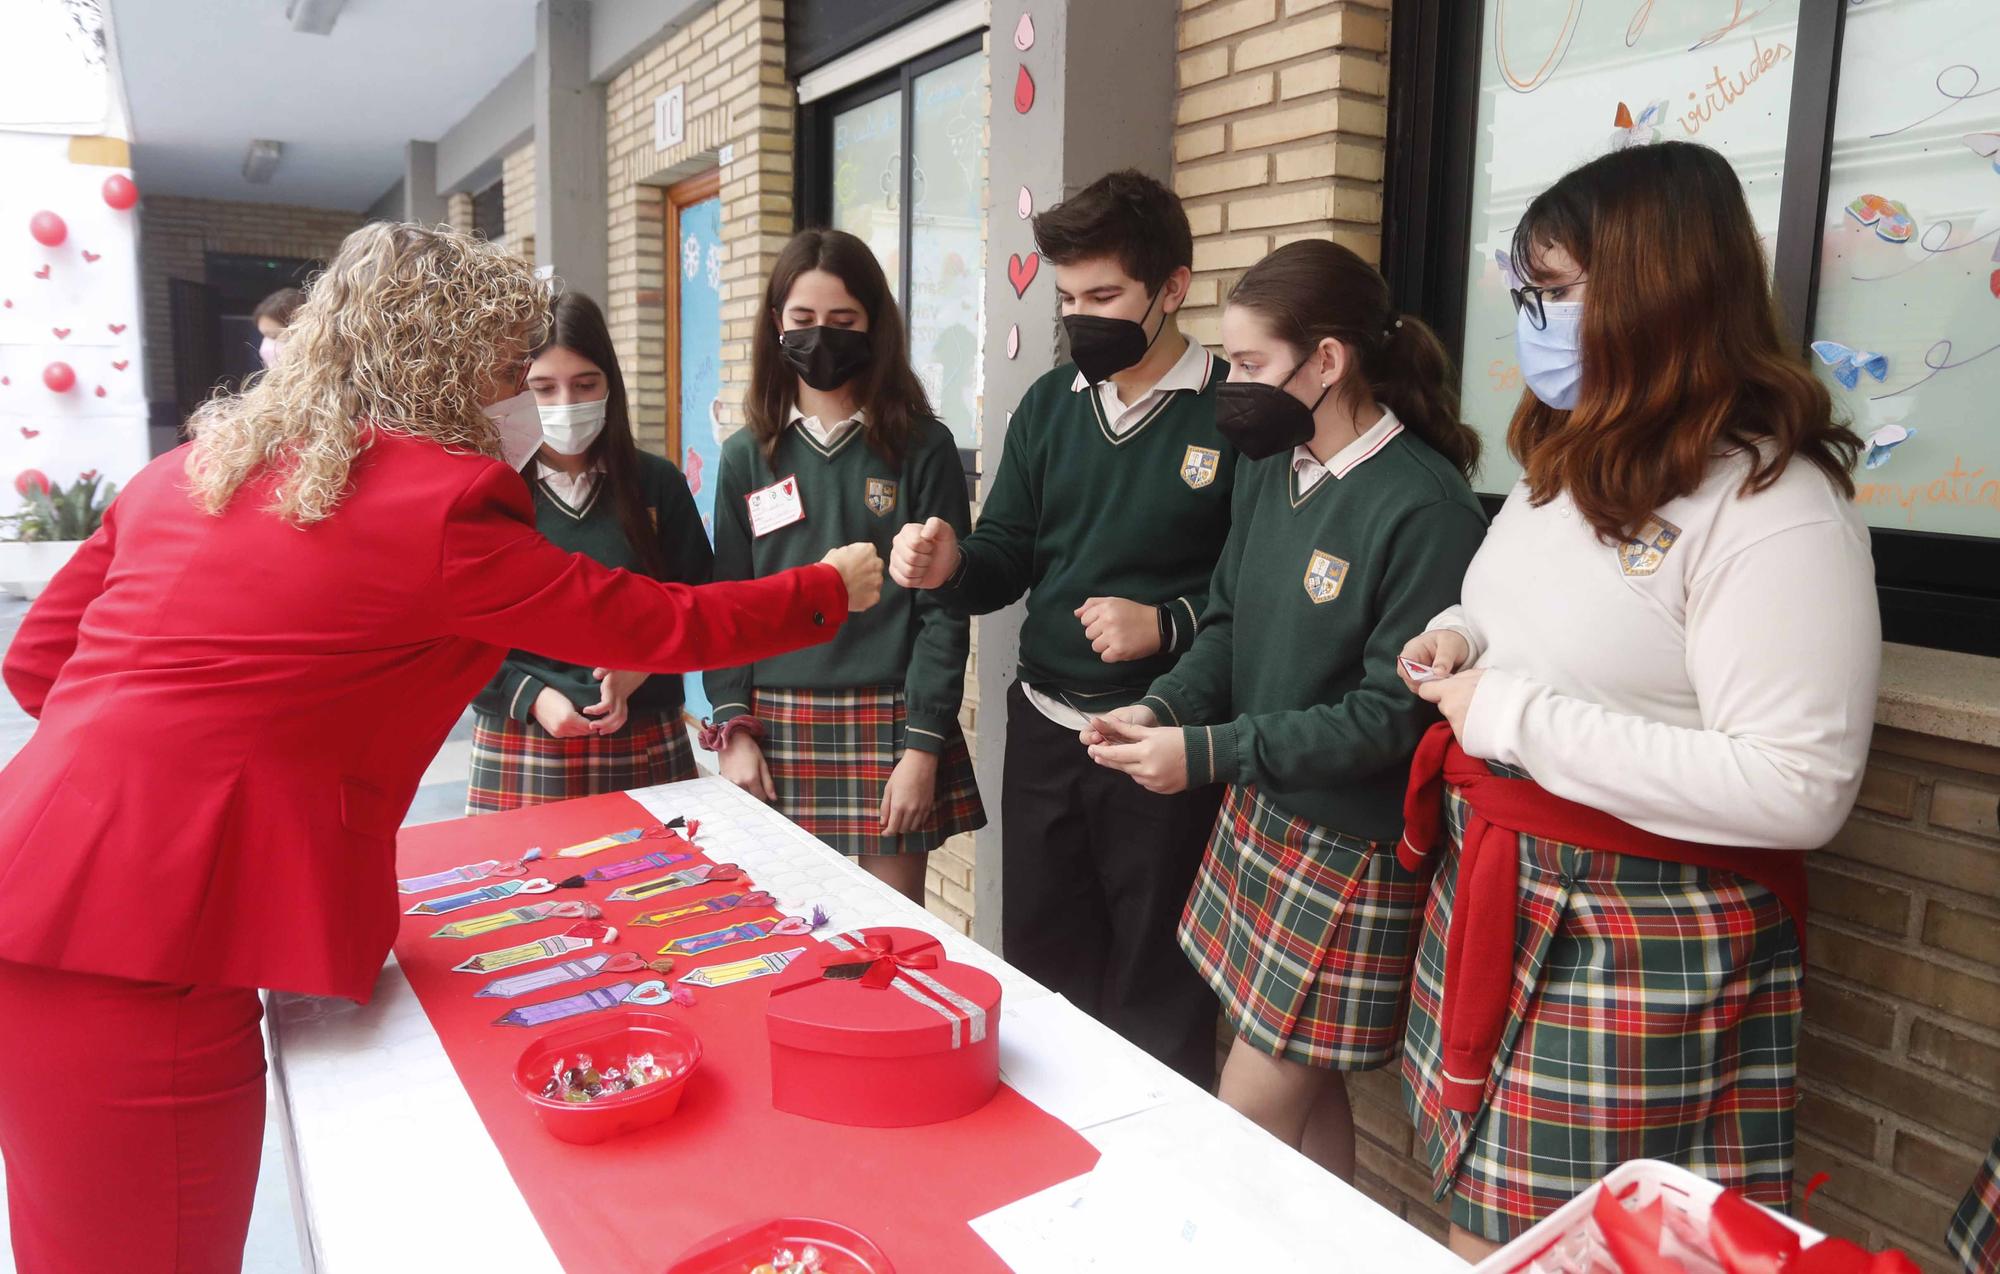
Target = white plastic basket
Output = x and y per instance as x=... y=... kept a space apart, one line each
x=1567 y=1241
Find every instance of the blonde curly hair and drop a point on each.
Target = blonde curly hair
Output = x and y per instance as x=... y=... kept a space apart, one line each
x=405 y=332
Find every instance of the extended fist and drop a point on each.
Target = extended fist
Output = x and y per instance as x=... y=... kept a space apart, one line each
x=924 y=556
x=860 y=568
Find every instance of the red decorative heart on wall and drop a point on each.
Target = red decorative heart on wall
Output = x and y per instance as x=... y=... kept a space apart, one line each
x=10 y=302
x=1024 y=91
x=62 y=333
x=92 y=256
x=1993 y=282
x=1021 y=270
x=122 y=364
x=6 y=380
x=116 y=328
x=30 y=433
x=100 y=391
x=42 y=273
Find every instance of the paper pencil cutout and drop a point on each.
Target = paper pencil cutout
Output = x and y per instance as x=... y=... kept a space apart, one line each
x=706 y=907
x=704 y=874
x=633 y=866
x=533 y=913
x=761 y=966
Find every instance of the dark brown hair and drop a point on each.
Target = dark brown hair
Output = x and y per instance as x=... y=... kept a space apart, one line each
x=1313 y=289
x=1682 y=351
x=1125 y=215
x=886 y=389
x=279 y=306
x=579 y=328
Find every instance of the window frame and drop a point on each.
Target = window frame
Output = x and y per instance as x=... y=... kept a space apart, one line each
x=1928 y=583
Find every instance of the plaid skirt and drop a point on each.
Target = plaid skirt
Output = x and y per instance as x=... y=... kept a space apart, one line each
x=1654 y=1015
x=1304 y=933
x=831 y=753
x=1975 y=1229
x=516 y=763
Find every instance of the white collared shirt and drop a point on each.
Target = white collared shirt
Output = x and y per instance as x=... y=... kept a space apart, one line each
x=573 y=489
x=1311 y=472
x=826 y=436
x=1190 y=372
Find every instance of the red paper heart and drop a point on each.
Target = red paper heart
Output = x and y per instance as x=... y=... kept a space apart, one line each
x=122 y=364
x=10 y=302
x=6 y=380
x=30 y=433
x=92 y=256
x=1024 y=91
x=1021 y=270
x=116 y=328
x=1993 y=283
x=62 y=333
x=42 y=273
x=100 y=391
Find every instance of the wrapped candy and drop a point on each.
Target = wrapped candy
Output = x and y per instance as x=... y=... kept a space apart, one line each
x=583 y=1082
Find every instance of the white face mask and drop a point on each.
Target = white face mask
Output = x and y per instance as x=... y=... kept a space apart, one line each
x=269 y=350
x=520 y=424
x=1552 y=356
x=570 y=428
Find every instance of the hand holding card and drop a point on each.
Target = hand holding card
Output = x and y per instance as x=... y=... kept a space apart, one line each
x=1432 y=656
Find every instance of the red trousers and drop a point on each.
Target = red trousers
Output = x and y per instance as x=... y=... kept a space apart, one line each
x=132 y=1120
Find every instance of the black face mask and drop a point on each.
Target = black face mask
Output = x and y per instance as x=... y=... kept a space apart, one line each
x=1103 y=347
x=1263 y=420
x=825 y=357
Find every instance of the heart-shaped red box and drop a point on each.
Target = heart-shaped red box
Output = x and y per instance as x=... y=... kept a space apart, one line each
x=877 y=1028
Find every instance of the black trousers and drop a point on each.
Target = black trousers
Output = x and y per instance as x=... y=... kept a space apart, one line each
x=1094 y=873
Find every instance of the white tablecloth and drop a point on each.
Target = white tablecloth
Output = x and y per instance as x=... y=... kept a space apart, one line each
x=367 y=1098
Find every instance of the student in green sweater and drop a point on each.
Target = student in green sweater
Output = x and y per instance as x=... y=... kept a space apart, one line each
x=1353 y=525
x=1109 y=507
x=545 y=730
x=856 y=741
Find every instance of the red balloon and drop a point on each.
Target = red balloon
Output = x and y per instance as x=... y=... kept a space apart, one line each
x=47 y=228
x=31 y=480
x=119 y=191
x=59 y=377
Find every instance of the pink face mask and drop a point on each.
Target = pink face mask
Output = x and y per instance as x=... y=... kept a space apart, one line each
x=270 y=350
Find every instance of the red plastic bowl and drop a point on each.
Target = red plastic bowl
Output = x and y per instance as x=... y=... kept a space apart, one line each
x=742 y=1248
x=609 y=1039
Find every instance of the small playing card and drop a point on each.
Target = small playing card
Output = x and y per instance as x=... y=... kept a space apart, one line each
x=1420 y=673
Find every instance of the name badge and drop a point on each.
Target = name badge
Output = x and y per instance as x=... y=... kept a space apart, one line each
x=775 y=507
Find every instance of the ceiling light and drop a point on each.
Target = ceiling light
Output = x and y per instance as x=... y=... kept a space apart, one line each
x=261 y=160
x=313 y=17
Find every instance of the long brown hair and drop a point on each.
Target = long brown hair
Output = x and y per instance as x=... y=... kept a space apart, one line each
x=886 y=389
x=579 y=327
x=1313 y=289
x=1682 y=351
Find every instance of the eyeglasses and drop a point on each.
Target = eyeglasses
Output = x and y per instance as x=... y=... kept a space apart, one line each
x=1533 y=301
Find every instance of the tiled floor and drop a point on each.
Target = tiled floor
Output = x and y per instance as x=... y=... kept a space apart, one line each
x=273 y=1247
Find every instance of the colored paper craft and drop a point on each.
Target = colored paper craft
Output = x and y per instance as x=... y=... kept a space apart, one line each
x=474 y=926
x=1884 y=441
x=1891 y=219
x=750 y=931
x=468 y=873
x=678 y=828
x=1848 y=364
x=633 y=866
x=526 y=953
x=761 y=966
x=473 y=897
x=597 y=1000
x=704 y=874
x=706 y=907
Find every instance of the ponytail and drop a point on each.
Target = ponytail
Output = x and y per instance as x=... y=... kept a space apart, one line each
x=1314 y=289
x=1412 y=376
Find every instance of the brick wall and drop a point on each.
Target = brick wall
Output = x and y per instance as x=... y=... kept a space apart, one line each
x=176 y=234
x=732 y=60
x=1900 y=1066
x=1278 y=134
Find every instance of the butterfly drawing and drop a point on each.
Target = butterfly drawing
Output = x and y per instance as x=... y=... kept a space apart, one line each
x=1848 y=364
x=1508 y=273
x=1890 y=217
x=1883 y=441
x=1627 y=132
x=1986 y=144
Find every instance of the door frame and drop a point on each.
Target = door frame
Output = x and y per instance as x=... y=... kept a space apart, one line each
x=682 y=194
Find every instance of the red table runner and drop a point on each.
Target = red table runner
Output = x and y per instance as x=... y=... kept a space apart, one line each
x=633 y=1204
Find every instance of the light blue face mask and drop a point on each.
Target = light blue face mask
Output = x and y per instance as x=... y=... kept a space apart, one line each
x=1552 y=356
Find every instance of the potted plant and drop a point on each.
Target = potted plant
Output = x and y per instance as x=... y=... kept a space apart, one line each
x=38 y=540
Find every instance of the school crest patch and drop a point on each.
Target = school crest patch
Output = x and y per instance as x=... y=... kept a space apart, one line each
x=1324 y=576
x=1199 y=466
x=881 y=498
x=1643 y=553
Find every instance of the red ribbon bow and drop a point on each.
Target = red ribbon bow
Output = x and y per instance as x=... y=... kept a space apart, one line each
x=880 y=956
x=1744 y=1239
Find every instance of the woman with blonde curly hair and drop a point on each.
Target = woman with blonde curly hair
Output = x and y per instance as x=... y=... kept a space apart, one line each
x=239 y=682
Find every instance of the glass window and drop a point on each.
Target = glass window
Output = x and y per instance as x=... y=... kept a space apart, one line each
x=1562 y=82
x=868 y=180
x=1907 y=327
x=945 y=196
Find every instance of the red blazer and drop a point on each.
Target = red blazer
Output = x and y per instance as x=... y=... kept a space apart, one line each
x=236 y=712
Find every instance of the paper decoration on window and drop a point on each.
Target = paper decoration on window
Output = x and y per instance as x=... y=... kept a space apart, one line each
x=1885 y=440
x=1848 y=364
x=1024 y=204
x=1024 y=91
x=1627 y=131
x=1021 y=270
x=1891 y=219
x=1986 y=144
x=1024 y=33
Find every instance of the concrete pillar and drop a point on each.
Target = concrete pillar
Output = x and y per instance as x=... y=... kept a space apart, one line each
x=1104 y=99
x=570 y=200
x=421 y=201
